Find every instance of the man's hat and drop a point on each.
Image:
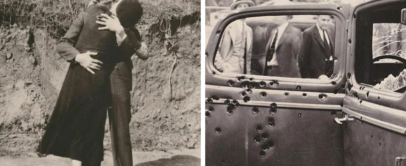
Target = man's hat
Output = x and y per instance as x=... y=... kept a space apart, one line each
x=129 y=12
x=237 y=2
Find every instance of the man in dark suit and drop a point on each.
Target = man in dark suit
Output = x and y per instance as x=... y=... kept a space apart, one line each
x=282 y=50
x=316 y=55
x=129 y=42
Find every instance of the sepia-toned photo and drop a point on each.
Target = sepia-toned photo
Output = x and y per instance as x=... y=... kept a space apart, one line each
x=100 y=82
x=305 y=82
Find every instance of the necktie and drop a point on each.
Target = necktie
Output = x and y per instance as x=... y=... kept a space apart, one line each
x=329 y=64
x=272 y=48
x=327 y=47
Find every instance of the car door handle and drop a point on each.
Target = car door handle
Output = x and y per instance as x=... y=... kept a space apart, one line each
x=399 y=161
x=344 y=119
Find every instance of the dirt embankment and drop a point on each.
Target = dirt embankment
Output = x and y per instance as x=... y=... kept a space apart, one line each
x=166 y=86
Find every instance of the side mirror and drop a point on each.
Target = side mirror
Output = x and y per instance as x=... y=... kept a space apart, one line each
x=403 y=16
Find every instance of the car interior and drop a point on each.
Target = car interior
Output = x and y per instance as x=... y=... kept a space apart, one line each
x=372 y=66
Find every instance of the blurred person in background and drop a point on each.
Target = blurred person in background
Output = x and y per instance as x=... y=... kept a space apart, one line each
x=236 y=45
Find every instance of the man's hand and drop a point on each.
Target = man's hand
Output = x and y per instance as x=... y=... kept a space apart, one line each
x=323 y=78
x=110 y=23
x=88 y=62
x=142 y=51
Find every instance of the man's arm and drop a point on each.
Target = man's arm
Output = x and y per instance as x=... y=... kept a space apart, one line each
x=65 y=46
x=66 y=49
x=132 y=44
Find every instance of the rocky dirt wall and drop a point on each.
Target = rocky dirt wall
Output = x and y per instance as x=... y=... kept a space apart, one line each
x=165 y=96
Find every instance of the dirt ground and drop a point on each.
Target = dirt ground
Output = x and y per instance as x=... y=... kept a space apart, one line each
x=154 y=158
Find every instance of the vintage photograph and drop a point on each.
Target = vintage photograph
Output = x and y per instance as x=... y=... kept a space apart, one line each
x=100 y=83
x=305 y=82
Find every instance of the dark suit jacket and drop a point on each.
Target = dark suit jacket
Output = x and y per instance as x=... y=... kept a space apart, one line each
x=287 y=52
x=312 y=57
x=66 y=48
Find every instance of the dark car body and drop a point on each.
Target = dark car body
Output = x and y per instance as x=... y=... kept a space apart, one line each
x=254 y=120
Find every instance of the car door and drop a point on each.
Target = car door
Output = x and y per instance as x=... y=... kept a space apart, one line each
x=374 y=133
x=265 y=120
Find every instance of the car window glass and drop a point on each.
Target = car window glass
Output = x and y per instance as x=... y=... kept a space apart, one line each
x=388 y=57
x=279 y=46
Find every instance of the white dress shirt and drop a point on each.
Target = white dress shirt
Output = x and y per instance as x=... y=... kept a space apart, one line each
x=281 y=30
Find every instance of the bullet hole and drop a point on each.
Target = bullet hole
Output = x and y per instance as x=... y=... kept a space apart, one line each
x=247 y=99
x=262 y=94
x=227 y=101
x=209 y=100
x=298 y=88
x=336 y=91
x=379 y=97
x=322 y=97
x=286 y=93
x=333 y=83
x=360 y=101
x=339 y=8
x=367 y=94
x=262 y=154
x=299 y=115
x=349 y=86
x=243 y=93
x=349 y=41
x=259 y=128
x=230 y=83
x=240 y=78
x=257 y=139
x=274 y=83
x=371 y=136
x=262 y=84
x=304 y=94
x=251 y=79
x=215 y=98
x=211 y=108
x=207 y=114
x=217 y=130
x=249 y=91
x=255 y=110
x=354 y=15
x=230 y=110
x=380 y=144
x=235 y=102
x=264 y=137
x=214 y=73
x=265 y=147
x=348 y=75
x=273 y=108
x=271 y=122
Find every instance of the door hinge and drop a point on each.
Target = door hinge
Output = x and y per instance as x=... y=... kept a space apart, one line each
x=344 y=119
x=399 y=160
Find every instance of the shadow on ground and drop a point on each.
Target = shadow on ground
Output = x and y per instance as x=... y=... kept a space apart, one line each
x=179 y=160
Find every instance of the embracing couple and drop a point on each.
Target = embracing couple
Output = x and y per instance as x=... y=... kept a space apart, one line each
x=99 y=45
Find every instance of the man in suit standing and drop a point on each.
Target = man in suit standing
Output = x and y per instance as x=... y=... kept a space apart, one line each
x=282 y=50
x=316 y=55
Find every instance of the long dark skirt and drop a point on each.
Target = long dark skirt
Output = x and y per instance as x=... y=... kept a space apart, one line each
x=76 y=127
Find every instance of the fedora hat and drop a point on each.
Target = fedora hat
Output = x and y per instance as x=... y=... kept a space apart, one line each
x=237 y=2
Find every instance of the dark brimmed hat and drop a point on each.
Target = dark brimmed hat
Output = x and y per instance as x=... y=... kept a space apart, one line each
x=129 y=12
x=237 y=2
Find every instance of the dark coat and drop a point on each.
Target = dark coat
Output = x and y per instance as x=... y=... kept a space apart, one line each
x=287 y=52
x=313 y=60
